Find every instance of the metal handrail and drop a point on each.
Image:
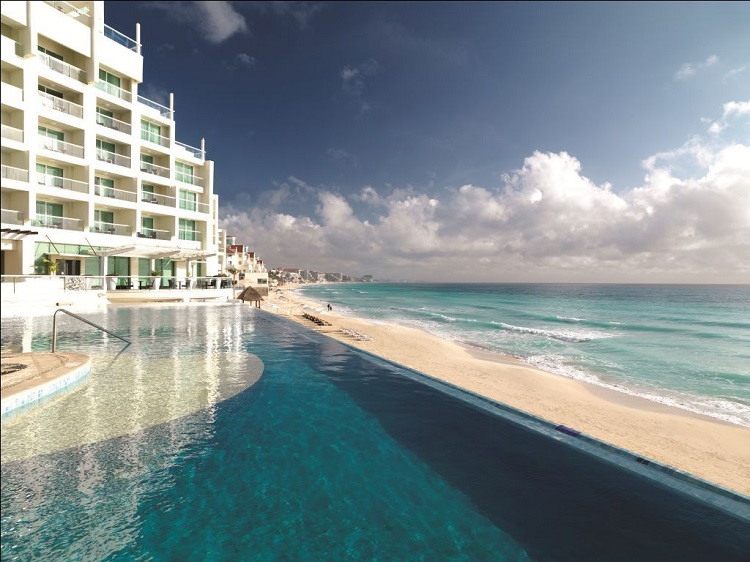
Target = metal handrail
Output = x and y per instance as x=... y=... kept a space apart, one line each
x=54 y=327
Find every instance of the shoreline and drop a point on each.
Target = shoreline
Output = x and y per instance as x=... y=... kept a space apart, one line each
x=706 y=447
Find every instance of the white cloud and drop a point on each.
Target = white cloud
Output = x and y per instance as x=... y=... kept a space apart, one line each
x=215 y=21
x=353 y=76
x=690 y=69
x=732 y=110
x=546 y=222
x=734 y=72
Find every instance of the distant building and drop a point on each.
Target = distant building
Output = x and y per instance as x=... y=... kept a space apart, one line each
x=250 y=270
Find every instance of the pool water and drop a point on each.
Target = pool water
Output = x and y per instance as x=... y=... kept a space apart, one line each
x=273 y=442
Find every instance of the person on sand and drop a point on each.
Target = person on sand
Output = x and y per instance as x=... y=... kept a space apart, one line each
x=330 y=308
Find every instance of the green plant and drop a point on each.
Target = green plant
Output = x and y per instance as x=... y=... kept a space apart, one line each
x=156 y=273
x=51 y=264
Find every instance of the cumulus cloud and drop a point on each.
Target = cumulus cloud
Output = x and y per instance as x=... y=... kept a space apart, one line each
x=690 y=69
x=215 y=21
x=240 y=61
x=732 y=110
x=547 y=221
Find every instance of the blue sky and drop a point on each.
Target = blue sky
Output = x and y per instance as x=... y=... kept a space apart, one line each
x=468 y=141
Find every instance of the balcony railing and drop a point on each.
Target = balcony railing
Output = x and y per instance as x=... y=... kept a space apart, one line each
x=163 y=111
x=9 y=216
x=112 y=158
x=154 y=234
x=81 y=14
x=17 y=174
x=111 y=228
x=154 y=138
x=157 y=199
x=190 y=180
x=196 y=152
x=49 y=221
x=62 y=67
x=63 y=183
x=59 y=104
x=120 y=38
x=62 y=147
x=154 y=169
x=112 y=123
x=113 y=90
x=11 y=94
x=190 y=235
x=12 y=133
x=120 y=194
x=194 y=206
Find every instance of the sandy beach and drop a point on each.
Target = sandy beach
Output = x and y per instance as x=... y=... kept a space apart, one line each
x=707 y=448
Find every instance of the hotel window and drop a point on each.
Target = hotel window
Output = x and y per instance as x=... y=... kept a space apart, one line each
x=147 y=193
x=50 y=53
x=147 y=227
x=187 y=230
x=105 y=117
x=51 y=133
x=49 y=214
x=150 y=132
x=51 y=139
x=49 y=175
x=104 y=187
x=183 y=172
x=147 y=163
x=112 y=82
x=104 y=221
x=188 y=200
x=105 y=151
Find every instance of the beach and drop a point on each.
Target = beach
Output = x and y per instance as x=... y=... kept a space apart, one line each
x=707 y=448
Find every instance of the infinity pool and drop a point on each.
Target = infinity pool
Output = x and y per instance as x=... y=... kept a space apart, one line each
x=227 y=433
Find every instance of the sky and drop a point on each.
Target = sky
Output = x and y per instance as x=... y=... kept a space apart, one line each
x=470 y=142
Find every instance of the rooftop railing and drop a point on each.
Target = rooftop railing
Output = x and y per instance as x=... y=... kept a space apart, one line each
x=113 y=90
x=59 y=104
x=11 y=173
x=120 y=38
x=9 y=216
x=81 y=14
x=12 y=133
x=196 y=152
x=64 y=223
x=112 y=123
x=163 y=110
x=48 y=180
x=62 y=147
x=62 y=67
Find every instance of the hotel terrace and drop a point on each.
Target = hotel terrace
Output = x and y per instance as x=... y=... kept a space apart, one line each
x=95 y=184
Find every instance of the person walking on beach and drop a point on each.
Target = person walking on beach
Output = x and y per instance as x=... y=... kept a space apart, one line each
x=330 y=308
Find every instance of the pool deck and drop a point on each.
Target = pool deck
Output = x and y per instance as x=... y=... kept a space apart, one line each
x=38 y=375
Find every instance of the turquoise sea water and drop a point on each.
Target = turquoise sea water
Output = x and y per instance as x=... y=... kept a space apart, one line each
x=682 y=345
x=330 y=455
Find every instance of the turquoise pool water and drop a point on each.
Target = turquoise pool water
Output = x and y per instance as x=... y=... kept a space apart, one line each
x=328 y=455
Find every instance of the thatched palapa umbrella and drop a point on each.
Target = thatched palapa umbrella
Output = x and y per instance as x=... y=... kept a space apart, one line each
x=251 y=294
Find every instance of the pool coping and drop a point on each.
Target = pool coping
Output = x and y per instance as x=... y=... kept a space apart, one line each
x=46 y=375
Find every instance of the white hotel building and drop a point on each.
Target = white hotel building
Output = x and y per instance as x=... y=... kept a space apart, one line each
x=94 y=180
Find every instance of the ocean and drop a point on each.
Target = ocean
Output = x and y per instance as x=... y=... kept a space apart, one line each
x=686 y=346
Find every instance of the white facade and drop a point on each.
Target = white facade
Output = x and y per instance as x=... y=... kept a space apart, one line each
x=250 y=270
x=93 y=178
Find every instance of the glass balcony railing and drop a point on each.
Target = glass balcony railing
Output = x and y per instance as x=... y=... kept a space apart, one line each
x=160 y=171
x=17 y=174
x=163 y=111
x=62 y=67
x=49 y=221
x=195 y=152
x=154 y=138
x=59 y=104
x=111 y=228
x=113 y=90
x=112 y=158
x=9 y=216
x=55 y=145
x=48 y=180
x=158 y=199
x=81 y=14
x=11 y=133
x=114 y=124
x=120 y=38
x=111 y=192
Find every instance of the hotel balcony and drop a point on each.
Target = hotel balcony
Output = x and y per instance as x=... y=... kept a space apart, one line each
x=11 y=133
x=15 y=174
x=54 y=145
x=155 y=139
x=59 y=104
x=113 y=158
x=192 y=151
x=9 y=216
x=64 y=223
x=113 y=90
x=190 y=180
x=11 y=50
x=111 y=192
x=121 y=39
x=160 y=109
x=194 y=206
x=62 y=183
x=114 y=124
x=160 y=171
x=11 y=95
x=158 y=199
x=112 y=228
x=79 y=14
x=63 y=67
x=155 y=234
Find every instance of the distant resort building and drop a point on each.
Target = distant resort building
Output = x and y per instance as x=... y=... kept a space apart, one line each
x=94 y=181
x=249 y=270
